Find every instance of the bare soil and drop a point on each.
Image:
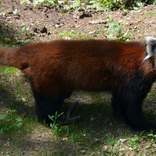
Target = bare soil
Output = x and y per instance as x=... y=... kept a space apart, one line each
x=21 y=24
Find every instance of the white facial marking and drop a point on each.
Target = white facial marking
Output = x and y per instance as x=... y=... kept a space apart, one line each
x=150 y=41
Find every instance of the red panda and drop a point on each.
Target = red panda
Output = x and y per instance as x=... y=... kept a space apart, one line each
x=55 y=69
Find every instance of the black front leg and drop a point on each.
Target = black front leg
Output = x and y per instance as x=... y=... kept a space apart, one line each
x=46 y=105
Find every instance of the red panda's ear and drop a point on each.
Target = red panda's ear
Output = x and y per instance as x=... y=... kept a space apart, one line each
x=150 y=47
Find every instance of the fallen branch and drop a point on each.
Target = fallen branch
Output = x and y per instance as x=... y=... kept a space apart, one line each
x=70 y=111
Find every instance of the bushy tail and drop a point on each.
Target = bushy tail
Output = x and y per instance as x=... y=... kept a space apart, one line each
x=9 y=57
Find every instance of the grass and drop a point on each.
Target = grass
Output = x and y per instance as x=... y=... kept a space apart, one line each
x=96 y=133
x=147 y=15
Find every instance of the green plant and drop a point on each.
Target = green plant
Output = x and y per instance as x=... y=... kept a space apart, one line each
x=37 y=2
x=109 y=4
x=76 y=4
x=55 y=125
x=152 y=137
x=133 y=142
x=112 y=143
x=24 y=1
x=68 y=34
x=9 y=122
x=117 y=29
x=24 y=27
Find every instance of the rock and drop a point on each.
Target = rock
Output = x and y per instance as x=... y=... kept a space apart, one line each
x=23 y=99
x=110 y=124
x=92 y=32
x=148 y=145
x=123 y=140
x=44 y=30
x=92 y=119
x=131 y=149
x=135 y=27
x=85 y=14
x=57 y=26
x=105 y=147
x=122 y=149
x=83 y=151
x=1 y=103
x=98 y=22
x=65 y=139
x=124 y=13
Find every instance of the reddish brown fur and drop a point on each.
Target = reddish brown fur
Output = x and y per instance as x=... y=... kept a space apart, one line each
x=56 y=68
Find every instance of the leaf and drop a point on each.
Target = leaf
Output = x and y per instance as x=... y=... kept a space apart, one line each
x=19 y=119
x=112 y=26
x=76 y=4
x=68 y=33
x=150 y=135
x=19 y=125
x=89 y=4
x=23 y=24
x=122 y=21
x=27 y=28
x=106 y=152
x=110 y=36
x=2 y=117
x=118 y=29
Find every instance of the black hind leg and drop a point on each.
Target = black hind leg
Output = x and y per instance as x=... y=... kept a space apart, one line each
x=130 y=105
x=116 y=105
x=46 y=105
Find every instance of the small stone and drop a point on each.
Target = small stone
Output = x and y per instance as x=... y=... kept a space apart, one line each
x=85 y=14
x=148 y=145
x=124 y=13
x=135 y=27
x=67 y=38
x=92 y=119
x=65 y=139
x=92 y=32
x=23 y=99
x=105 y=147
x=1 y=103
x=122 y=149
x=57 y=26
x=110 y=124
x=83 y=151
x=123 y=140
x=98 y=22
x=44 y=30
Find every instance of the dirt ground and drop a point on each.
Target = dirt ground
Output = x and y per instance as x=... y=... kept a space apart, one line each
x=23 y=22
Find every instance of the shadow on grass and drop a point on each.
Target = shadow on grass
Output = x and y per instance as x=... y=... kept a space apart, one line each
x=87 y=133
